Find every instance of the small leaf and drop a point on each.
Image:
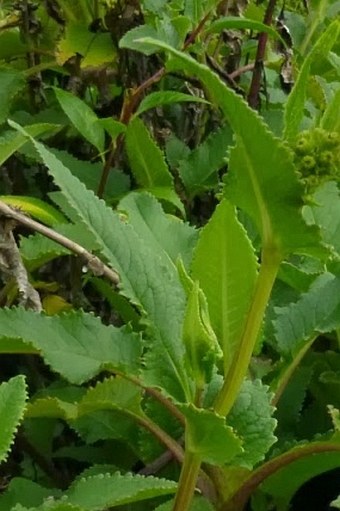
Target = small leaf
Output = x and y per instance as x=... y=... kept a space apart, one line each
x=330 y=120
x=13 y=395
x=11 y=81
x=209 y=437
x=160 y=98
x=129 y=39
x=105 y=490
x=82 y=117
x=238 y=23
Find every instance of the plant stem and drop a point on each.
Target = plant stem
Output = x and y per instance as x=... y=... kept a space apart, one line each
x=187 y=481
x=265 y=280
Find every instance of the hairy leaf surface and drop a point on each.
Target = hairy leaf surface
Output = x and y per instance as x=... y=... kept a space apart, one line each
x=13 y=395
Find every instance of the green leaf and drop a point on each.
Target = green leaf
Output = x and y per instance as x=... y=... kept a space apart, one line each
x=146 y=159
x=199 y=169
x=167 y=97
x=82 y=117
x=52 y=408
x=225 y=265
x=252 y=419
x=36 y=208
x=50 y=505
x=145 y=279
x=330 y=120
x=105 y=490
x=165 y=234
x=129 y=39
x=209 y=437
x=25 y=492
x=296 y=99
x=262 y=182
x=238 y=23
x=202 y=349
x=66 y=342
x=11 y=141
x=295 y=325
x=11 y=82
x=198 y=504
x=13 y=395
x=112 y=127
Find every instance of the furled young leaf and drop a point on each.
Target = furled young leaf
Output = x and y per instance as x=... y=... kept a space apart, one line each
x=225 y=265
x=11 y=81
x=295 y=324
x=202 y=349
x=296 y=99
x=164 y=233
x=67 y=342
x=105 y=490
x=199 y=169
x=262 y=182
x=252 y=419
x=208 y=436
x=166 y=97
x=82 y=117
x=144 y=277
x=13 y=395
x=146 y=159
x=36 y=208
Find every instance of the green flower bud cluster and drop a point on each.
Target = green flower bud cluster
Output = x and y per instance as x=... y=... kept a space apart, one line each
x=317 y=157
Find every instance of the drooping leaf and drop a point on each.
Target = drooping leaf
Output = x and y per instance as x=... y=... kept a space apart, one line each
x=296 y=99
x=262 y=182
x=103 y=491
x=225 y=265
x=165 y=233
x=199 y=169
x=82 y=117
x=239 y=23
x=67 y=342
x=209 y=437
x=252 y=419
x=13 y=396
x=167 y=97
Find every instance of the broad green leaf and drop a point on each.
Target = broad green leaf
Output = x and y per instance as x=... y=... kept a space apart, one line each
x=67 y=342
x=330 y=120
x=13 y=396
x=25 y=492
x=11 y=141
x=252 y=419
x=208 y=436
x=225 y=265
x=238 y=23
x=262 y=182
x=112 y=127
x=296 y=99
x=50 y=505
x=295 y=325
x=167 y=97
x=11 y=82
x=199 y=169
x=105 y=490
x=52 y=408
x=129 y=39
x=96 y=49
x=36 y=208
x=166 y=234
x=146 y=159
x=144 y=277
x=82 y=117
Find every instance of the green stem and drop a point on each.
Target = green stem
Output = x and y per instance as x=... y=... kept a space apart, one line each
x=187 y=481
x=265 y=280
